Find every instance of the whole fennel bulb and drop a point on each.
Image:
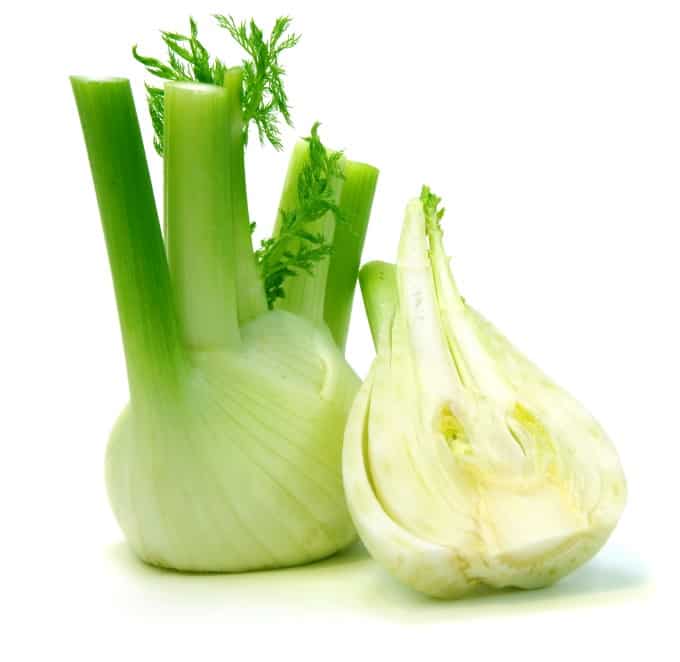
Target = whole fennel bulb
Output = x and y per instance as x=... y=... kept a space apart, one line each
x=463 y=464
x=228 y=457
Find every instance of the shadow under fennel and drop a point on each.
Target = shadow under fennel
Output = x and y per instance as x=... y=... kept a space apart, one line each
x=351 y=583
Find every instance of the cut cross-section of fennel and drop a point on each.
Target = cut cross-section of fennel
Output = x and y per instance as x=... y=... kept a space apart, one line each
x=464 y=465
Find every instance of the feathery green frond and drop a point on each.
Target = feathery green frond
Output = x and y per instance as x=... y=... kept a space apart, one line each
x=431 y=204
x=188 y=60
x=264 y=99
x=295 y=248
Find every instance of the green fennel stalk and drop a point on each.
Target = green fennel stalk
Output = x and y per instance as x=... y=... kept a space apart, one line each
x=310 y=264
x=130 y=222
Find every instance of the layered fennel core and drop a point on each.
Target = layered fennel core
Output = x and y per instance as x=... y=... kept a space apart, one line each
x=463 y=464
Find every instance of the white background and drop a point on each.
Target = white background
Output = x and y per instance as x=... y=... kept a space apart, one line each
x=551 y=129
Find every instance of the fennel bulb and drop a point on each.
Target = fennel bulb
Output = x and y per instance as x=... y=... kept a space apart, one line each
x=228 y=457
x=463 y=464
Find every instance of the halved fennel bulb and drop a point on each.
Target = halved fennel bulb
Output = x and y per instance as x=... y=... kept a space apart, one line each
x=463 y=464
